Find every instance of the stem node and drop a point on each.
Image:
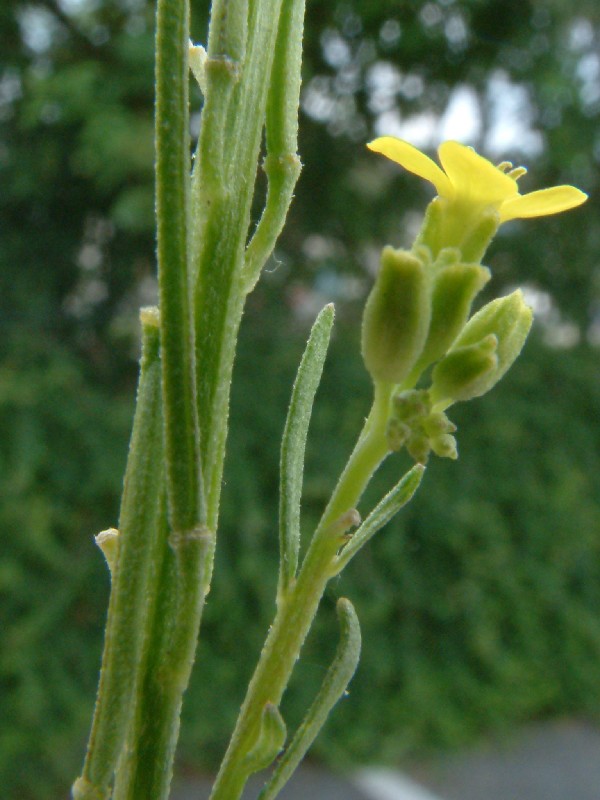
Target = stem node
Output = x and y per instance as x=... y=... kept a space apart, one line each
x=179 y=540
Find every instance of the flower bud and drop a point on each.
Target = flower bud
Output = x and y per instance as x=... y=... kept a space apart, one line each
x=507 y=319
x=414 y=425
x=444 y=446
x=108 y=542
x=465 y=371
x=419 y=447
x=397 y=434
x=396 y=317
x=454 y=289
x=411 y=405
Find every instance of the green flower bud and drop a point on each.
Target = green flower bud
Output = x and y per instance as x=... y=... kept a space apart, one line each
x=412 y=404
x=507 y=319
x=108 y=542
x=396 y=317
x=438 y=423
x=454 y=289
x=464 y=373
x=397 y=434
x=444 y=446
x=415 y=426
x=419 y=447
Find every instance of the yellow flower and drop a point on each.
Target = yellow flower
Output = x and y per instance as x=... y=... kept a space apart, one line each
x=473 y=184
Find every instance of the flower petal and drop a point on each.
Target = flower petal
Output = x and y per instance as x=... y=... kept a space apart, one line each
x=542 y=203
x=412 y=160
x=473 y=177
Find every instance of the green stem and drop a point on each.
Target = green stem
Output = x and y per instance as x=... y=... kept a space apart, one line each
x=184 y=482
x=371 y=448
x=222 y=193
x=222 y=189
x=281 y=165
x=296 y=613
x=138 y=525
x=147 y=763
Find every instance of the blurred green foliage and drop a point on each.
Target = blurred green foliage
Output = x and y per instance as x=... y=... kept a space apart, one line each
x=480 y=605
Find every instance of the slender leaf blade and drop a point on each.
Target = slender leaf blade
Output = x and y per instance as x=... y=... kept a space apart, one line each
x=293 y=445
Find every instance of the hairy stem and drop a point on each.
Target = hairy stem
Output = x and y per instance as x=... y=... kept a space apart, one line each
x=131 y=586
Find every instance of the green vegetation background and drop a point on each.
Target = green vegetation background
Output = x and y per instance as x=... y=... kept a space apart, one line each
x=481 y=605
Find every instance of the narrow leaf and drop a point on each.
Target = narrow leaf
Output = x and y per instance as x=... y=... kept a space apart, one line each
x=387 y=508
x=334 y=686
x=293 y=446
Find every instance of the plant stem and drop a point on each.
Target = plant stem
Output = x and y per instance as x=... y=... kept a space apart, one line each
x=297 y=610
x=184 y=481
x=147 y=763
x=202 y=238
x=131 y=583
x=281 y=165
x=222 y=192
x=237 y=79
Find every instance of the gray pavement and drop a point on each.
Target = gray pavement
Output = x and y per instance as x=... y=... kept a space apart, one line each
x=550 y=761
x=308 y=783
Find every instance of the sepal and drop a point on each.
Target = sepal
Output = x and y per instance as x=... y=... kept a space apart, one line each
x=445 y=225
x=465 y=372
x=455 y=286
x=396 y=317
x=477 y=239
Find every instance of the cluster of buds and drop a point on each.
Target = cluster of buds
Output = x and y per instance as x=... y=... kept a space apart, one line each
x=418 y=313
x=415 y=425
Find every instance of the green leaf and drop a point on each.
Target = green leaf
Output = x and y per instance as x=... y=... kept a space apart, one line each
x=293 y=446
x=332 y=689
x=383 y=512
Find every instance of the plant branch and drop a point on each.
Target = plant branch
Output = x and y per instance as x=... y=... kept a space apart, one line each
x=282 y=165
